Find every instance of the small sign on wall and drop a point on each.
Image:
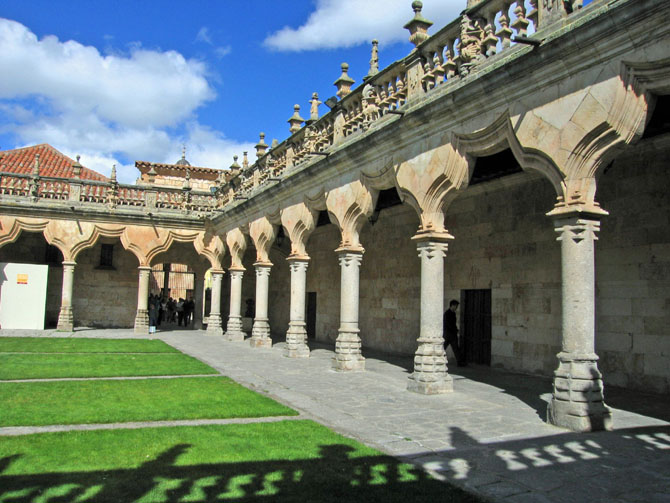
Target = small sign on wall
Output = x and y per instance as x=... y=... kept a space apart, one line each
x=21 y=279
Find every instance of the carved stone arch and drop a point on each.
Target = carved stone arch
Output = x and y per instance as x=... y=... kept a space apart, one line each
x=299 y=220
x=98 y=231
x=497 y=137
x=237 y=245
x=262 y=233
x=634 y=101
x=73 y=236
x=349 y=207
x=429 y=180
x=211 y=246
x=171 y=236
x=11 y=227
x=147 y=242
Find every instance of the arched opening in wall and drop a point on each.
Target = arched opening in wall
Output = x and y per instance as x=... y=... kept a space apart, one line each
x=104 y=293
x=280 y=286
x=503 y=267
x=494 y=166
x=32 y=248
x=390 y=278
x=322 y=302
x=174 y=285
x=659 y=122
x=177 y=288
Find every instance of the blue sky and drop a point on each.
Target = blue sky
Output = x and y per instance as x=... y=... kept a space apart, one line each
x=119 y=81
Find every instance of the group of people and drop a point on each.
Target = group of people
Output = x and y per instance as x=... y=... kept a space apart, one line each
x=167 y=310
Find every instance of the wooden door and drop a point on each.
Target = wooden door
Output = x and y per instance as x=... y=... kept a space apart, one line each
x=476 y=330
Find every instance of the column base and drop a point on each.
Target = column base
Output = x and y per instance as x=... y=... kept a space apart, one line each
x=578 y=401
x=430 y=376
x=214 y=325
x=65 y=320
x=443 y=385
x=234 y=331
x=142 y=322
x=260 y=334
x=296 y=340
x=348 y=355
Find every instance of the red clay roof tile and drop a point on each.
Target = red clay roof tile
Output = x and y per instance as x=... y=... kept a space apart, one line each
x=52 y=163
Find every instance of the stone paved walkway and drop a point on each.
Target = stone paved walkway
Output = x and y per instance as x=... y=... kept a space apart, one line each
x=488 y=436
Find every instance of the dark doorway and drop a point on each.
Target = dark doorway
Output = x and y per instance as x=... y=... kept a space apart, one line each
x=311 y=315
x=477 y=326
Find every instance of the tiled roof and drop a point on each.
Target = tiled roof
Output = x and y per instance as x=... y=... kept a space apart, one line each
x=52 y=163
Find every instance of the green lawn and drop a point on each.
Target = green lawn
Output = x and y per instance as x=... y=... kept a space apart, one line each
x=77 y=402
x=77 y=345
x=280 y=462
x=52 y=365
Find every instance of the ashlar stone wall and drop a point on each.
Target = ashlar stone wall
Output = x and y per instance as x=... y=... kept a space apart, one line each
x=633 y=269
x=105 y=297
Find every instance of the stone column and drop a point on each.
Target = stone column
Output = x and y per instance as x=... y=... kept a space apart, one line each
x=66 y=317
x=577 y=402
x=430 y=375
x=142 y=317
x=234 y=329
x=348 y=344
x=260 y=333
x=214 y=323
x=296 y=336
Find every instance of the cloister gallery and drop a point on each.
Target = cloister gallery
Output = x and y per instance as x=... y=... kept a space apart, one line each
x=515 y=160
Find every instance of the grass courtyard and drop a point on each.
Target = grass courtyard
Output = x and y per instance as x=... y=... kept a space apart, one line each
x=285 y=460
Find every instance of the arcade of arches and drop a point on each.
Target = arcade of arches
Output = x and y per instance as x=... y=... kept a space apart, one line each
x=545 y=211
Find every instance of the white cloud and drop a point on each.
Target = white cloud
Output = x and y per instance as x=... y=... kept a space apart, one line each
x=110 y=109
x=346 y=23
x=204 y=36
x=145 y=88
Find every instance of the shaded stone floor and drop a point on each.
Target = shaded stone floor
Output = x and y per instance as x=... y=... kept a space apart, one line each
x=488 y=436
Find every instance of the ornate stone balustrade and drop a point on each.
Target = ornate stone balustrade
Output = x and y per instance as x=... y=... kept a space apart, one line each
x=485 y=29
x=108 y=194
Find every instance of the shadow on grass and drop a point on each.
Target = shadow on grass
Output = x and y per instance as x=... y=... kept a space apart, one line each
x=334 y=476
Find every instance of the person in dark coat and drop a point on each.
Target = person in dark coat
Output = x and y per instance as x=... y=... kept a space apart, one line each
x=451 y=333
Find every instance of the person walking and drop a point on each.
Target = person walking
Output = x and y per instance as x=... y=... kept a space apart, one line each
x=451 y=333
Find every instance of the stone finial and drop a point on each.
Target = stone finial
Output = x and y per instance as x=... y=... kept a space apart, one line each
x=245 y=160
x=314 y=109
x=344 y=83
x=472 y=3
x=234 y=167
x=112 y=176
x=374 y=60
x=151 y=175
x=36 y=166
x=76 y=167
x=295 y=121
x=261 y=146
x=275 y=143
x=187 y=180
x=418 y=26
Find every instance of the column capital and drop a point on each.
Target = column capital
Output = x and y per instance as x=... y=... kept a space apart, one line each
x=262 y=264
x=430 y=249
x=349 y=257
x=217 y=271
x=70 y=263
x=236 y=268
x=578 y=228
x=144 y=268
x=298 y=265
